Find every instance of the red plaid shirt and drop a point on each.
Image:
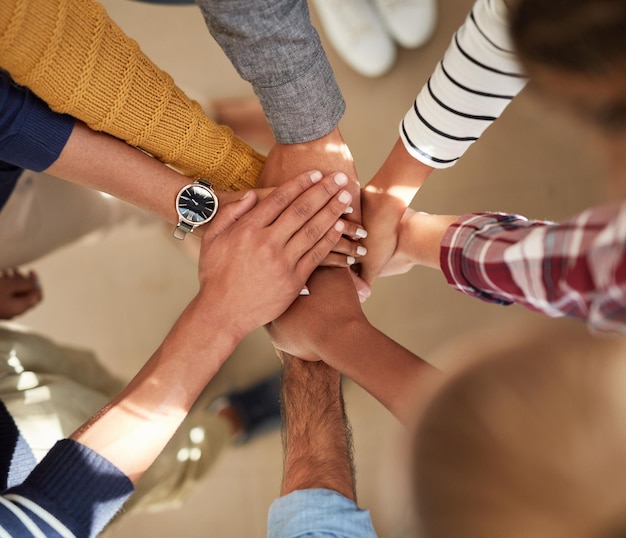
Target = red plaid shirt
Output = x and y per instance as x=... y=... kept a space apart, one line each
x=576 y=268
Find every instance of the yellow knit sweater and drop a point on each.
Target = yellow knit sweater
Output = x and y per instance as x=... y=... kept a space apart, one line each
x=73 y=56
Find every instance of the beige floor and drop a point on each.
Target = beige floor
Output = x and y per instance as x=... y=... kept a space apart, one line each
x=120 y=296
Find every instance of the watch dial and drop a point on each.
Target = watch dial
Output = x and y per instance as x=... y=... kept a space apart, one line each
x=196 y=204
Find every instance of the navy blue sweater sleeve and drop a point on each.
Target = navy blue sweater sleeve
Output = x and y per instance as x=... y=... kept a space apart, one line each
x=16 y=457
x=31 y=135
x=72 y=491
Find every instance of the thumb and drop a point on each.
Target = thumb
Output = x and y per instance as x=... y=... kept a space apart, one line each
x=231 y=213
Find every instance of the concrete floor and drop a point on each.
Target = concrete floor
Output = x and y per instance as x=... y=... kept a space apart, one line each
x=120 y=296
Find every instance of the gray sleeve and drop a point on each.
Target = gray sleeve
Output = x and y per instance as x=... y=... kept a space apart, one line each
x=274 y=46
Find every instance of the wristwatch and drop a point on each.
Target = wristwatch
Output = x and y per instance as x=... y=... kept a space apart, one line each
x=196 y=204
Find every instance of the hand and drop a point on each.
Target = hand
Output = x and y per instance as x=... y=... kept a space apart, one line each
x=328 y=154
x=227 y=197
x=18 y=293
x=255 y=260
x=384 y=199
x=382 y=215
x=315 y=321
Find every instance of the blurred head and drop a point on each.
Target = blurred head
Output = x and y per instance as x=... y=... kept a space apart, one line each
x=529 y=442
x=575 y=51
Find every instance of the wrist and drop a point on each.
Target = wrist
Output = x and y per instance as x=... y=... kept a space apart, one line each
x=203 y=334
x=400 y=175
x=298 y=370
x=421 y=235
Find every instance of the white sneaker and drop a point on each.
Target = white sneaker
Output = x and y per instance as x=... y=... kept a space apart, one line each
x=410 y=22
x=354 y=29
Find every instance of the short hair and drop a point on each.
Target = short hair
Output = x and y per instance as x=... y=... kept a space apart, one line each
x=585 y=36
x=528 y=442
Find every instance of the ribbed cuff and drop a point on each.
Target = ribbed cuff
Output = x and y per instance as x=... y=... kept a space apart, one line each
x=41 y=138
x=78 y=486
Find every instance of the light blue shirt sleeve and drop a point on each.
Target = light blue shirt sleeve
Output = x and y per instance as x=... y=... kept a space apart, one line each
x=318 y=513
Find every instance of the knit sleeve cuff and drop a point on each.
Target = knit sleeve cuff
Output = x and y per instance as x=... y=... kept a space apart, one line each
x=77 y=486
x=41 y=138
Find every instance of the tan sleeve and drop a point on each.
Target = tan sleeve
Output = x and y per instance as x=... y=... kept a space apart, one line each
x=73 y=56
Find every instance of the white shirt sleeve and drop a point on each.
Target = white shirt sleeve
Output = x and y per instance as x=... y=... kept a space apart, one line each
x=477 y=78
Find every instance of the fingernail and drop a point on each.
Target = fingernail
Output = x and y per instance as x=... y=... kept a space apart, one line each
x=339 y=226
x=364 y=295
x=348 y=210
x=316 y=176
x=344 y=197
x=350 y=260
x=360 y=232
x=245 y=195
x=304 y=291
x=341 y=178
x=361 y=250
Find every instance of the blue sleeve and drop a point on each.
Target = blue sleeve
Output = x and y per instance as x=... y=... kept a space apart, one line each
x=320 y=513
x=16 y=457
x=31 y=135
x=274 y=46
x=73 y=489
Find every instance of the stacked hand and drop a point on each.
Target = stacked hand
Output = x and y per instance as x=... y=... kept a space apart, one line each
x=329 y=154
x=255 y=260
x=312 y=325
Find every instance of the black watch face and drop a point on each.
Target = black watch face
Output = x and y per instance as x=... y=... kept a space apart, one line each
x=196 y=204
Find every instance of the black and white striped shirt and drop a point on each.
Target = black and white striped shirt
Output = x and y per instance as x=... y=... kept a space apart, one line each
x=477 y=78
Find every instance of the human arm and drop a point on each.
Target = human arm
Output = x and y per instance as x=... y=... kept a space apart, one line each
x=250 y=271
x=103 y=162
x=274 y=46
x=574 y=268
x=318 y=489
x=34 y=137
x=330 y=325
x=471 y=86
x=18 y=293
x=75 y=58
x=282 y=238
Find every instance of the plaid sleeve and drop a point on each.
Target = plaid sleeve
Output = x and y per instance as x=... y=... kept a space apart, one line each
x=576 y=268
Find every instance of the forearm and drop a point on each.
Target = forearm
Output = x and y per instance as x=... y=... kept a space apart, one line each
x=105 y=163
x=274 y=46
x=400 y=176
x=316 y=435
x=133 y=429
x=384 y=368
x=420 y=237
x=74 y=57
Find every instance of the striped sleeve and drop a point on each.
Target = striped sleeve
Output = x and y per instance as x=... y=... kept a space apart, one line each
x=576 y=268
x=477 y=78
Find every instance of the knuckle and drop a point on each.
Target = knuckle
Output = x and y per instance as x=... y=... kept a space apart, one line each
x=312 y=232
x=280 y=199
x=317 y=256
x=329 y=188
x=302 y=208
